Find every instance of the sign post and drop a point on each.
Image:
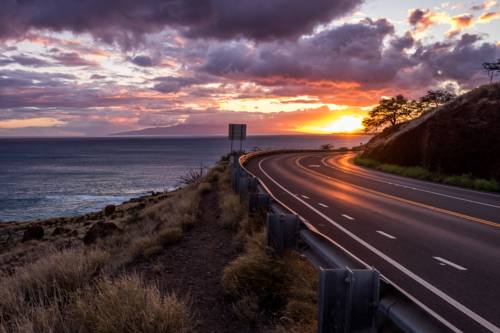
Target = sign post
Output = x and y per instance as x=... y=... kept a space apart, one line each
x=237 y=132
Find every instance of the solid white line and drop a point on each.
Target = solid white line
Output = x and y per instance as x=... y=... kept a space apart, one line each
x=404 y=186
x=452 y=264
x=347 y=217
x=314 y=166
x=385 y=234
x=389 y=281
x=322 y=205
x=304 y=196
x=436 y=291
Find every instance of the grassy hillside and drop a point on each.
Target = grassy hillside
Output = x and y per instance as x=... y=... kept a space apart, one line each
x=185 y=261
x=459 y=140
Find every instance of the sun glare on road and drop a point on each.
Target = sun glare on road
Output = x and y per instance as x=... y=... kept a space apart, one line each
x=343 y=124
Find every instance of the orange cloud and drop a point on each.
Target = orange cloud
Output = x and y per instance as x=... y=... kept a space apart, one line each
x=459 y=23
x=30 y=122
x=488 y=17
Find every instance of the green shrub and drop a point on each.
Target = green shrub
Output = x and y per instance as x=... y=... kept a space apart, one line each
x=465 y=180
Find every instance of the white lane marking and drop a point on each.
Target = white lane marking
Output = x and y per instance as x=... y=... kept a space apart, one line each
x=347 y=217
x=436 y=291
x=389 y=281
x=314 y=166
x=322 y=205
x=413 y=188
x=304 y=196
x=449 y=263
x=385 y=234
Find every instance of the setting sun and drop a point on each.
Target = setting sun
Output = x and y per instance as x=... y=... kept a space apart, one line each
x=343 y=124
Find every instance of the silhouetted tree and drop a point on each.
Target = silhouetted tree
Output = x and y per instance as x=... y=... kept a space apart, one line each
x=327 y=146
x=435 y=98
x=492 y=68
x=392 y=111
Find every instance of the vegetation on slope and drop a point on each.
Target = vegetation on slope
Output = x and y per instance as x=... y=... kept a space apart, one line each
x=264 y=288
x=63 y=284
x=464 y=180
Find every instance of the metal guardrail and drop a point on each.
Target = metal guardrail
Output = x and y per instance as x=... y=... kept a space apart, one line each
x=351 y=297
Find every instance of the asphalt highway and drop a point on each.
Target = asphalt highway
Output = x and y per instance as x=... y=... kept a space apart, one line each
x=440 y=244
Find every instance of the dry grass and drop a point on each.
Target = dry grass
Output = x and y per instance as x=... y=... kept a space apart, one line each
x=128 y=305
x=261 y=284
x=122 y=305
x=35 y=293
x=37 y=297
x=232 y=210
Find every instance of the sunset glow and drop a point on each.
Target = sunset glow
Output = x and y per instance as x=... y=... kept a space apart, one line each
x=344 y=124
x=72 y=70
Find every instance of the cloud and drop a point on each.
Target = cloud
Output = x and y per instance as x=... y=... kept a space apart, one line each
x=142 y=61
x=488 y=17
x=352 y=52
x=30 y=122
x=173 y=84
x=127 y=21
x=24 y=61
x=485 y=5
x=72 y=59
x=459 y=23
x=422 y=20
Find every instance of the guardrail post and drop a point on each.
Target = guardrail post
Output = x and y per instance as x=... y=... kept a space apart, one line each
x=258 y=202
x=253 y=184
x=347 y=300
x=282 y=231
x=243 y=185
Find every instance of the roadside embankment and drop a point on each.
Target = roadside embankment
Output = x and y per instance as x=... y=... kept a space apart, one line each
x=184 y=261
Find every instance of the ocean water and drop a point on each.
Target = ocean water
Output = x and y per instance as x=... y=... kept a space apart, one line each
x=41 y=178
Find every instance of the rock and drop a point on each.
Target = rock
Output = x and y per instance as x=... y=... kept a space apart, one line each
x=100 y=230
x=33 y=232
x=59 y=231
x=109 y=210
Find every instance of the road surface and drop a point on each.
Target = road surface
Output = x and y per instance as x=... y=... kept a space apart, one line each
x=440 y=244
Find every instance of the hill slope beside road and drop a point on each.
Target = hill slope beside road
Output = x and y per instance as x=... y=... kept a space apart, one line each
x=461 y=137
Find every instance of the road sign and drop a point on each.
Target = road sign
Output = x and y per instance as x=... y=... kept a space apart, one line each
x=237 y=131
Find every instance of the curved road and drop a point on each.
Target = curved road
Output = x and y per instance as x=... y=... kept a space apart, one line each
x=439 y=244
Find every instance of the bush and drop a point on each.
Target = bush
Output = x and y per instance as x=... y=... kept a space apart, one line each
x=256 y=273
x=204 y=188
x=261 y=284
x=46 y=283
x=465 y=180
x=128 y=305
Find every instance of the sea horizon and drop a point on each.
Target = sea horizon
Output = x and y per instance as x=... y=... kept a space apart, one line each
x=45 y=177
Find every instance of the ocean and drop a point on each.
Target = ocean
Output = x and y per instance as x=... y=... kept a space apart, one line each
x=49 y=177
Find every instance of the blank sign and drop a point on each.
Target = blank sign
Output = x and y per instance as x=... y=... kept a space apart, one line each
x=237 y=131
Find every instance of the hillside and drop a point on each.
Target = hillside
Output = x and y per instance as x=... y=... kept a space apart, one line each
x=461 y=137
x=191 y=260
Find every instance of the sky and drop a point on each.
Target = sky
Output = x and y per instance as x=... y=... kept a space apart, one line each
x=93 y=68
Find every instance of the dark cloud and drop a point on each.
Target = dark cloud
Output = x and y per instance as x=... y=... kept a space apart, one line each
x=72 y=59
x=142 y=61
x=24 y=61
x=126 y=21
x=416 y=16
x=351 y=52
x=458 y=60
x=173 y=84
x=97 y=77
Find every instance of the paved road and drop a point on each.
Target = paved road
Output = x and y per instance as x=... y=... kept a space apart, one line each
x=440 y=244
